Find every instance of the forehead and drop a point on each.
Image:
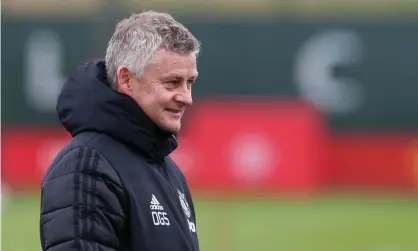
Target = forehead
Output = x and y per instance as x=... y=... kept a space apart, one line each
x=171 y=63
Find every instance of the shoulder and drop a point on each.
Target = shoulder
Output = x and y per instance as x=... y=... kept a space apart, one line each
x=84 y=154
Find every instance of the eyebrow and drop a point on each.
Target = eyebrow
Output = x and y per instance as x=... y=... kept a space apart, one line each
x=180 y=78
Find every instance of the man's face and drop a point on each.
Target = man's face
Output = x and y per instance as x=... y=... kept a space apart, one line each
x=164 y=90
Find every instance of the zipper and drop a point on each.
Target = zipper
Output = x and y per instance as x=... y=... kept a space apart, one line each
x=167 y=174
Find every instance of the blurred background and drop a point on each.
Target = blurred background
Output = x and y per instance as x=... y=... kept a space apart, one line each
x=304 y=133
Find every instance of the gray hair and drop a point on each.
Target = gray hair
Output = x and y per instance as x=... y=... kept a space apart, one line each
x=137 y=39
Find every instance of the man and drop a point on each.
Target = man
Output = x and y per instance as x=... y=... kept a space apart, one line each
x=113 y=186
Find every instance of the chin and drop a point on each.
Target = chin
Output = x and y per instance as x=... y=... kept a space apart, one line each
x=172 y=128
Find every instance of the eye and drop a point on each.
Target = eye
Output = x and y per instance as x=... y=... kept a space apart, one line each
x=171 y=84
x=189 y=84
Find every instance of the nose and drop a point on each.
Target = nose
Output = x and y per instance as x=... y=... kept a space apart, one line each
x=185 y=98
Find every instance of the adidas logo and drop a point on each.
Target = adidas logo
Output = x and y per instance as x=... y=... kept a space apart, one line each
x=155 y=205
x=158 y=218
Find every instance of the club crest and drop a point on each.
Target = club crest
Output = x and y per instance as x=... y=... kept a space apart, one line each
x=184 y=204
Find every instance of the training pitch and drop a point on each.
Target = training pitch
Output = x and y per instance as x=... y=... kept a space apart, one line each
x=327 y=223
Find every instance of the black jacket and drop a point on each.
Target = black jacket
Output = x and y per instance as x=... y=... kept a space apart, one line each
x=113 y=186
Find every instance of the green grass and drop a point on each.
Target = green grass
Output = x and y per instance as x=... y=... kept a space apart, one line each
x=333 y=223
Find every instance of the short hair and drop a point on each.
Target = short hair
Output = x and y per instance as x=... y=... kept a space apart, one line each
x=136 y=40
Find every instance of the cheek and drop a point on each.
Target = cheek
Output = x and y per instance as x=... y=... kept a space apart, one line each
x=140 y=99
x=137 y=94
x=145 y=97
x=163 y=97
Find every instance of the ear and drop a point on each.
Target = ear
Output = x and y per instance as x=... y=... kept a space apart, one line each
x=124 y=80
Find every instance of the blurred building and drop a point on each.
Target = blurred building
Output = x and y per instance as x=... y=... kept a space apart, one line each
x=292 y=96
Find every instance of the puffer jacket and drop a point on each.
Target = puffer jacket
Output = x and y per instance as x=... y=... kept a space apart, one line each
x=113 y=186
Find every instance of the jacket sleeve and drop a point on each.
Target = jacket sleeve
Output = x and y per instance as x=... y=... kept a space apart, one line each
x=82 y=204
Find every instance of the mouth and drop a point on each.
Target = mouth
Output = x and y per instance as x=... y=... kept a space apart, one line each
x=177 y=112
